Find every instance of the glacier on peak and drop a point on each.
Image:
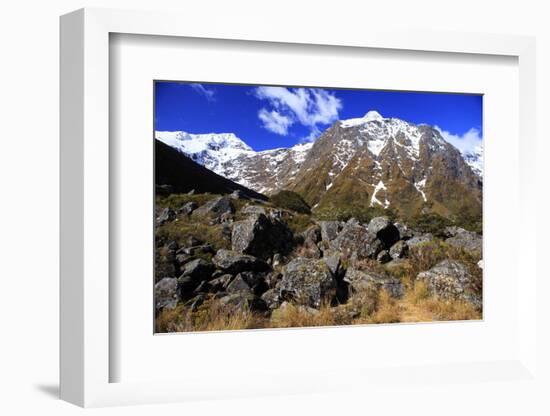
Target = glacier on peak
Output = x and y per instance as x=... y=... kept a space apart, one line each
x=371 y=115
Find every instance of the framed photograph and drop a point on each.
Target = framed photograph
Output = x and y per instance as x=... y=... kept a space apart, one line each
x=236 y=210
x=360 y=219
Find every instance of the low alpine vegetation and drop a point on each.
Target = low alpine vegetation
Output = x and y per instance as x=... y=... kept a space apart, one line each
x=231 y=262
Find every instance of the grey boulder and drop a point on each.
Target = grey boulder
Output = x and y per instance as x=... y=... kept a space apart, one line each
x=466 y=240
x=238 y=285
x=361 y=280
x=333 y=261
x=451 y=279
x=329 y=230
x=356 y=240
x=215 y=207
x=220 y=283
x=166 y=293
x=188 y=208
x=272 y=298
x=307 y=282
x=166 y=215
x=405 y=233
x=384 y=230
x=399 y=250
x=420 y=240
x=198 y=270
x=261 y=237
x=232 y=262
x=313 y=234
x=244 y=300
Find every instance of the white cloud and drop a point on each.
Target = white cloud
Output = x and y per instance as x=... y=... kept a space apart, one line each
x=307 y=106
x=274 y=121
x=207 y=92
x=466 y=143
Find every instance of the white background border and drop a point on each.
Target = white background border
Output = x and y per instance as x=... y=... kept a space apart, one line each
x=30 y=219
x=137 y=60
x=93 y=375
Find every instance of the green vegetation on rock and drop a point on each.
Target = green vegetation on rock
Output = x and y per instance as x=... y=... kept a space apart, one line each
x=290 y=200
x=345 y=212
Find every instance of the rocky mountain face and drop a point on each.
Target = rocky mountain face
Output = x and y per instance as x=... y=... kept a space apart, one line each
x=368 y=161
x=374 y=161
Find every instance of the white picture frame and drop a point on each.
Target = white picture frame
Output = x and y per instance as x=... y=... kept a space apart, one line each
x=85 y=165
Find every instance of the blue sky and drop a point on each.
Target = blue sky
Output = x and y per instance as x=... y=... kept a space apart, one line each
x=268 y=117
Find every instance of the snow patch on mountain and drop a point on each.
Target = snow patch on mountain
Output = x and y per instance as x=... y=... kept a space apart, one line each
x=420 y=185
x=374 y=200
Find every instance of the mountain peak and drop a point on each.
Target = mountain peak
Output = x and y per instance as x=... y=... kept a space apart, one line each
x=373 y=115
x=194 y=143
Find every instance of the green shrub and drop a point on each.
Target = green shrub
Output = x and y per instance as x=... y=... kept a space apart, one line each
x=430 y=223
x=299 y=223
x=469 y=222
x=183 y=228
x=362 y=214
x=424 y=256
x=175 y=201
x=290 y=200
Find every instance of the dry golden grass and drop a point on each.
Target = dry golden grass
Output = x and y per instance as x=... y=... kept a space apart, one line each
x=295 y=316
x=451 y=310
x=419 y=306
x=210 y=316
x=367 y=307
x=388 y=310
x=417 y=293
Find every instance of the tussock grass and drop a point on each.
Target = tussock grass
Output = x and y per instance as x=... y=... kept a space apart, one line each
x=175 y=201
x=426 y=255
x=299 y=223
x=212 y=315
x=388 y=310
x=450 y=310
x=292 y=316
x=184 y=228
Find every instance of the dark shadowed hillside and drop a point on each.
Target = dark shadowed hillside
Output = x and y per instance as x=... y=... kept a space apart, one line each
x=178 y=171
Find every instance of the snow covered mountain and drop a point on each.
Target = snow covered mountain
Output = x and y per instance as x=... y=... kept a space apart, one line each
x=365 y=161
x=229 y=156
x=387 y=162
x=211 y=150
x=475 y=160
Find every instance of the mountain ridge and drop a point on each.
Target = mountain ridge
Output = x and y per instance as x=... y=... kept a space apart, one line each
x=173 y=169
x=370 y=160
